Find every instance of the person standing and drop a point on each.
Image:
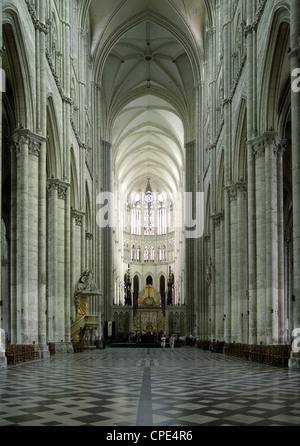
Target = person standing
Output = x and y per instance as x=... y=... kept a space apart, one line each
x=172 y=342
x=163 y=342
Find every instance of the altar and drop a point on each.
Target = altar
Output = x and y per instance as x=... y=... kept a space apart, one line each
x=149 y=316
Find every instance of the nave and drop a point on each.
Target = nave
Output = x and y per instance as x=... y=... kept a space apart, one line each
x=148 y=387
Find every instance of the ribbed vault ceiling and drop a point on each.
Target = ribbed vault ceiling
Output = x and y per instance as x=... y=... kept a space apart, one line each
x=147 y=82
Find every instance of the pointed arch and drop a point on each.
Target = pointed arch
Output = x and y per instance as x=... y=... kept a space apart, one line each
x=74 y=181
x=88 y=209
x=276 y=74
x=220 y=185
x=17 y=68
x=207 y=211
x=239 y=172
x=54 y=157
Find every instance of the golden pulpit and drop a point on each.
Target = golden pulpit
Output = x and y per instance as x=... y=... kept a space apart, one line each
x=149 y=316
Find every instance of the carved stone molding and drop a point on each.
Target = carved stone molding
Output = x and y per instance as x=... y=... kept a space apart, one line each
x=78 y=216
x=24 y=136
x=232 y=192
x=242 y=190
x=218 y=219
x=36 y=22
x=254 y=26
x=60 y=186
x=268 y=141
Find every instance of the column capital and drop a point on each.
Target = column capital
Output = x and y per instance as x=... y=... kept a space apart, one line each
x=267 y=141
x=217 y=218
x=61 y=187
x=190 y=145
x=231 y=192
x=78 y=216
x=25 y=136
x=106 y=144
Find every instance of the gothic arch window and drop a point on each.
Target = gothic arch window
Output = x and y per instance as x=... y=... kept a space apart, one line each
x=161 y=216
x=162 y=253
x=171 y=218
x=146 y=254
x=133 y=253
x=152 y=254
x=162 y=289
x=136 y=216
x=135 y=290
x=5 y=273
x=149 y=214
x=138 y=254
x=149 y=281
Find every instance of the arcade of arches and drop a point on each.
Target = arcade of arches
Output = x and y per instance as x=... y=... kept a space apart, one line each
x=113 y=113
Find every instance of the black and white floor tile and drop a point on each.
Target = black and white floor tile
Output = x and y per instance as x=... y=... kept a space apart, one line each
x=148 y=387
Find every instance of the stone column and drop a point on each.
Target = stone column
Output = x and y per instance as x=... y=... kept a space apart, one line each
x=3 y=360
x=217 y=271
x=282 y=339
x=226 y=17
x=295 y=114
x=42 y=304
x=235 y=317
x=242 y=261
x=212 y=281
x=190 y=243
x=22 y=238
x=57 y=191
x=15 y=320
x=34 y=280
x=260 y=187
x=106 y=281
x=274 y=235
x=76 y=239
x=251 y=133
x=25 y=230
x=206 y=298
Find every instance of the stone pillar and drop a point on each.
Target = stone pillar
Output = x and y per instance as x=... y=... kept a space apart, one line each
x=42 y=304
x=294 y=361
x=212 y=285
x=235 y=317
x=274 y=236
x=57 y=191
x=252 y=293
x=106 y=253
x=25 y=231
x=22 y=237
x=260 y=188
x=251 y=133
x=3 y=360
x=242 y=261
x=190 y=243
x=206 y=299
x=15 y=308
x=217 y=271
x=267 y=151
x=76 y=239
x=226 y=18
x=282 y=339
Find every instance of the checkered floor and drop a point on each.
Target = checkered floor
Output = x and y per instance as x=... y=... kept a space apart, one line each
x=148 y=387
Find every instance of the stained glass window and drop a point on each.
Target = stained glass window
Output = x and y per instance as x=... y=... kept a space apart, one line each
x=136 y=217
x=149 y=214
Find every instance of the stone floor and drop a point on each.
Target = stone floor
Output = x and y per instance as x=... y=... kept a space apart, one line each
x=148 y=387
